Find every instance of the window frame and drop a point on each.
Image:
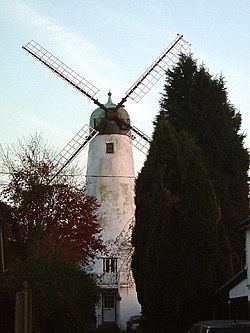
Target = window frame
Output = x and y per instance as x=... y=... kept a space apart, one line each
x=109 y=265
x=109 y=148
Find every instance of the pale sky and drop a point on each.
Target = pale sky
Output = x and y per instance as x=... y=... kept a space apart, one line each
x=111 y=43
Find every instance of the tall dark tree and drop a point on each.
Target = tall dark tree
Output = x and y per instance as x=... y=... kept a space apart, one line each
x=182 y=253
x=197 y=103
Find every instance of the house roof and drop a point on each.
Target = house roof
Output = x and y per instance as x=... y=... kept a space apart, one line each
x=236 y=279
x=223 y=324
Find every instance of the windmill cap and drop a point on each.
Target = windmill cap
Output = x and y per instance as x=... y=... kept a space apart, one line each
x=99 y=113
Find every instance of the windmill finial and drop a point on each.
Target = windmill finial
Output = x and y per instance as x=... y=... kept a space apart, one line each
x=109 y=95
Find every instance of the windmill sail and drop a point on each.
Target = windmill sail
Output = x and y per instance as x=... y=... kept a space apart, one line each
x=136 y=92
x=62 y=70
x=139 y=139
x=152 y=75
x=73 y=148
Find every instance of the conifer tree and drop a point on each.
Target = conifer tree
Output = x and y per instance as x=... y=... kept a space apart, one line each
x=182 y=253
x=197 y=103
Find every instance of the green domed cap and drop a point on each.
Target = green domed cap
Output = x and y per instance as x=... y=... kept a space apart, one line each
x=98 y=114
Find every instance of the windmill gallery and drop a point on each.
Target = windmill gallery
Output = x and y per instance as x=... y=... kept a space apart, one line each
x=110 y=175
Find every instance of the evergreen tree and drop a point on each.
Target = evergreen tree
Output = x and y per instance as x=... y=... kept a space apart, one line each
x=182 y=253
x=197 y=103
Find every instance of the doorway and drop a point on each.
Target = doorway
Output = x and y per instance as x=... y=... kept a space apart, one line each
x=109 y=307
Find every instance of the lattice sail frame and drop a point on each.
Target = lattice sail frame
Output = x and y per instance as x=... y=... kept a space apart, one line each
x=62 y=70
x=153 y=74
x=73 y=148
x=139 y=140
x=136 y=92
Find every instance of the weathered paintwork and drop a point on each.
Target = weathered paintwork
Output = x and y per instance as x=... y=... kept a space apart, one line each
x=110 y=178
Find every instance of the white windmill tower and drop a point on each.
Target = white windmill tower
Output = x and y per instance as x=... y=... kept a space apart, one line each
x=110 y=173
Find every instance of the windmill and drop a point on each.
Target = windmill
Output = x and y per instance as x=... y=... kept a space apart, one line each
x=110 y=170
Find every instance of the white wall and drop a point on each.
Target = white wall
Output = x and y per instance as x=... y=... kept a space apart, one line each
x=240 y=290
x=110 y=178
x=243 y=288
x=248 y=261
x=128 y=307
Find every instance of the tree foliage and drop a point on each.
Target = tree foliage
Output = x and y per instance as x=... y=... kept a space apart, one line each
x=55 y=220
x=63 y=296
x=197 y=103
x=51 y=233
x=182 y=253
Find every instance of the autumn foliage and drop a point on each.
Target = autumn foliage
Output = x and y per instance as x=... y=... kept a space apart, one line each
x=50 y=233
x=56 y=220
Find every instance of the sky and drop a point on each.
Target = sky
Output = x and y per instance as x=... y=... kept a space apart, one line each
x=111 y=43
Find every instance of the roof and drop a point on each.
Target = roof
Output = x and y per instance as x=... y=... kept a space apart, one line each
x=236 y=279
x=110 y=104
x=223 y=323
x=99 y=113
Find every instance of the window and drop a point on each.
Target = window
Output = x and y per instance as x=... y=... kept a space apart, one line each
x=108 y=301
x=110 y=265
x=109 y=147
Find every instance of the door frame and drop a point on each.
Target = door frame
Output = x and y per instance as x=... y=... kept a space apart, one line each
x=111 y=292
